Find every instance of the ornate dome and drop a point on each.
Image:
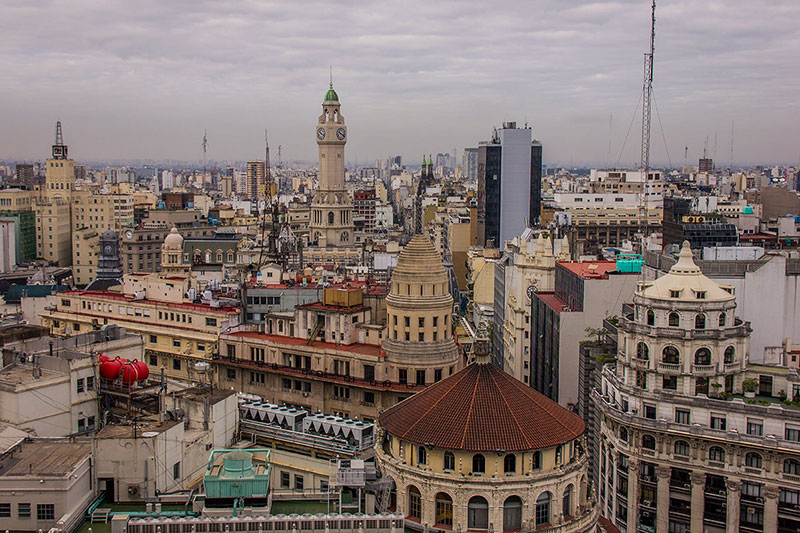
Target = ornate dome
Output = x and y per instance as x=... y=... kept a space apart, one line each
x=173 y=241
x=331 y=95
x=685 y=282
x=482 y=409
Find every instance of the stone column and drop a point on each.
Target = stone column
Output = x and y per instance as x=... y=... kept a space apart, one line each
x=698 y=500
x=663 y=474
x=771 y=493
x=633 y=495
x=734 y=493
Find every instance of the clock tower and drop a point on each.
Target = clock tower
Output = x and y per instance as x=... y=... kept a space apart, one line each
x=331 y=207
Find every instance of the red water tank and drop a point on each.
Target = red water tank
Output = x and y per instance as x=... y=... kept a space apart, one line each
x=144 y=372
x=133 y=371
x=103 y=358
x=111 y=368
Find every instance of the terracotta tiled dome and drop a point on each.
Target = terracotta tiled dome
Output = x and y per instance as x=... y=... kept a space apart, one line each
x=481 y=408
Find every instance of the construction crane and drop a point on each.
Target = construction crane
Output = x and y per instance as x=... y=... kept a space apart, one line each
x=205 y=147
x=647 y=93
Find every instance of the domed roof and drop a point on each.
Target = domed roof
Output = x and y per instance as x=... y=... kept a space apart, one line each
x=686 y=278
x=419 y=257
x=174 y=241
x=747 y=210
x=331 y=95
x=482 y=409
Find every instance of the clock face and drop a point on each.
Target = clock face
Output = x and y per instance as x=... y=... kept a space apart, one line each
x=108 y=249
x=532 y=289
x=321 y=133
x=129 y=234
x=340 y=134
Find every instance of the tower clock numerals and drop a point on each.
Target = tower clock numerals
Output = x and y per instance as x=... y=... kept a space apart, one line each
x=321 y=133
x=340 y=133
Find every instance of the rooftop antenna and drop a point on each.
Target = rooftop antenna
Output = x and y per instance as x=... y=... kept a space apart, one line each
x=280 y=148
x=647 y=93
x=59 y=136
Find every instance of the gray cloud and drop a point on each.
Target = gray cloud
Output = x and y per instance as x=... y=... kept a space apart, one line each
x=144 y=79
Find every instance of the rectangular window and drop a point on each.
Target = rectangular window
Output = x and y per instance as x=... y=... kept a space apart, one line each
x=420 y=377
x=755 y=427
x=176 y=471
x=298 y=482
x=176 y=364
x=211 y=322
x=153 y=339
x=80 y=385
x=437 y=375
x=719 y=422
x=285 y=477
x=650 y=411
x=5 y=510
x=669 y=383
x=23 y=510
x=792 y=433
x=682 y=416
x=402 y=376
x=201 y=347
x=369 y=397
x=45 y=511
x=153 y=360
x=176 y=343
x=287 y=383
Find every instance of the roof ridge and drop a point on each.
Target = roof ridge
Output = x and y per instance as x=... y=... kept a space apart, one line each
x=513 y=416
x=471 y=406
x=441 y=397
x=536 y=399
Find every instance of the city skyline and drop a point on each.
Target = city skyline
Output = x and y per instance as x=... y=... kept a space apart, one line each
x=146 y=85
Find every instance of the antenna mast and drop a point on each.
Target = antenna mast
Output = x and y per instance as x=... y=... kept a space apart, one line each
x=205 y=147
x=647 y=92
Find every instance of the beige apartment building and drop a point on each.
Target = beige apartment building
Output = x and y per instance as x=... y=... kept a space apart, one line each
x=178 y=331
x=331 y=356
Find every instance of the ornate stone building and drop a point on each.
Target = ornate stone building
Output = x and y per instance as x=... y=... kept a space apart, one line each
x=680 y=449
x=334 y=356
x=482 y=451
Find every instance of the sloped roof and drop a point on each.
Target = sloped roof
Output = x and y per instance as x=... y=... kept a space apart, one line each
x=481 y=408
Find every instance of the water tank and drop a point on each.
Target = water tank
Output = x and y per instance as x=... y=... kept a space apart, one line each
x=238 y=464
x=111 y=368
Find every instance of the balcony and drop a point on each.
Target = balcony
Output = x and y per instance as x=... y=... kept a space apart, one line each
x=703 y=370
x=669 y=368
x=642 y=364
x=730 y=367
x=791 y=509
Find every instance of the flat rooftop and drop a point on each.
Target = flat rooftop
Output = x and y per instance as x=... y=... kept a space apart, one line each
x=126 y=431
x=23 y=375
x=365 y=349
x=590 y=269
x=50 y=459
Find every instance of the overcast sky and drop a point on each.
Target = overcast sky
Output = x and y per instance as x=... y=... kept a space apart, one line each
x=143 y=79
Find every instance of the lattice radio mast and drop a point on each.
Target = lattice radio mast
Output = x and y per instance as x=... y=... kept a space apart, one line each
x=647 y=92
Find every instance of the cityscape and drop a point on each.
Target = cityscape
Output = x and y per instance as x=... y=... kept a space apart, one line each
x=527 y=317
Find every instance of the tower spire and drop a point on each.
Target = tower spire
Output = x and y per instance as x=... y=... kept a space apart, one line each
x=59 y=148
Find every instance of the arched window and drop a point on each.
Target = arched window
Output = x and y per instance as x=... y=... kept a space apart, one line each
x=344 y=236
x=700 y=321
x=478 y=464
x=722 y=320
x=753 y=460
x=330 y=217
x=414 y=503
x=230 y=257
x=791 y=466
x=648 y=442
x=715 y=453
x=208 y=256
x=730 y=355
x=642 y=351
x=674 y=320
x=702 y=356
x=671 y=355
x=651 y=318
x=543 y=509
x=681 y=447
x=444 y=510
x=219 y=256
x=512 y=514
x=449 y=461
x=566 y=501
x=537 y=460
x=422 y=455
x=510 y=464
x=478 y=513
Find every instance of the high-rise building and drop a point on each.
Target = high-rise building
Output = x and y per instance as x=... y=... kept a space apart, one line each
x=469 y=164
x=705 y=164
x=25 y=175
x=256 y=179
x=509 y=184
x=331 y=207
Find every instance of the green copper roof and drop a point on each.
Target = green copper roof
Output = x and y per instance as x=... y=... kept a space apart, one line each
x=331 y=95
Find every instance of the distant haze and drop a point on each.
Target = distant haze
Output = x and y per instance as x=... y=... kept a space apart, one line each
x=142 y=80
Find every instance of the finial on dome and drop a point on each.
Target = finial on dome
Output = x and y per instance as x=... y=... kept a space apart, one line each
x=685 y=264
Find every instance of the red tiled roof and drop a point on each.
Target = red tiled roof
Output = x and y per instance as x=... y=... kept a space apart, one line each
x=590 y=269
x=481 y=408
x=364 y=349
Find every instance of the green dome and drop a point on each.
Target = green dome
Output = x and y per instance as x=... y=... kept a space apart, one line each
x=747 y=210
x=331 y=95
